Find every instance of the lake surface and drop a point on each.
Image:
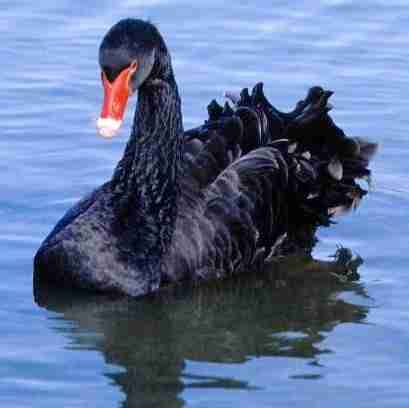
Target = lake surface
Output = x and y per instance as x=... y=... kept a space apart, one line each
x=244 y=343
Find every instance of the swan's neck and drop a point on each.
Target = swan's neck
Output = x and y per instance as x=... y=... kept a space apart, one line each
x=145 y=182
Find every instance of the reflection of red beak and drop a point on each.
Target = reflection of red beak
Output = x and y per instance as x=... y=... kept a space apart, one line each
x=116 y=96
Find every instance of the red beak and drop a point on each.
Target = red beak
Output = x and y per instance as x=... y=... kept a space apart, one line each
x=116 y=96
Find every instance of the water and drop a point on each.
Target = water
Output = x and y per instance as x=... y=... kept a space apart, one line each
x=245 y=343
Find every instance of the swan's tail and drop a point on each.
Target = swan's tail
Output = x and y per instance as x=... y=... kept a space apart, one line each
x=324 y=165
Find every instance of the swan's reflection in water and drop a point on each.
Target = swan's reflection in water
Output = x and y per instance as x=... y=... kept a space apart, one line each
x=222 y=322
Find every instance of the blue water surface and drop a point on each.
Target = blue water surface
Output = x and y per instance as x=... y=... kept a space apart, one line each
x=244 y=344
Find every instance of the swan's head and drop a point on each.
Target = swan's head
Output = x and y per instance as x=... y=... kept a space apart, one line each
x=127 y=57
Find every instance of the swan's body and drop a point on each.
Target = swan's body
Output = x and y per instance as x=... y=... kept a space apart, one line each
x=208 y=203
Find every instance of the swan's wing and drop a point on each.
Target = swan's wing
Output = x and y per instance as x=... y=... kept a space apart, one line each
x=314 y=144
x=220 y=231
x=240 y=204
x=246 y=204
x=231 y=203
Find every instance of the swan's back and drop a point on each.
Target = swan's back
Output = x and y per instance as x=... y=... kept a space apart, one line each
x=258 y=182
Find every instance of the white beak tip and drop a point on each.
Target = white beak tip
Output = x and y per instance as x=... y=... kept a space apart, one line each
x=108 y=127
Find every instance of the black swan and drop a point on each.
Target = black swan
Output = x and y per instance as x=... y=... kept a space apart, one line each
x=212 y=202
